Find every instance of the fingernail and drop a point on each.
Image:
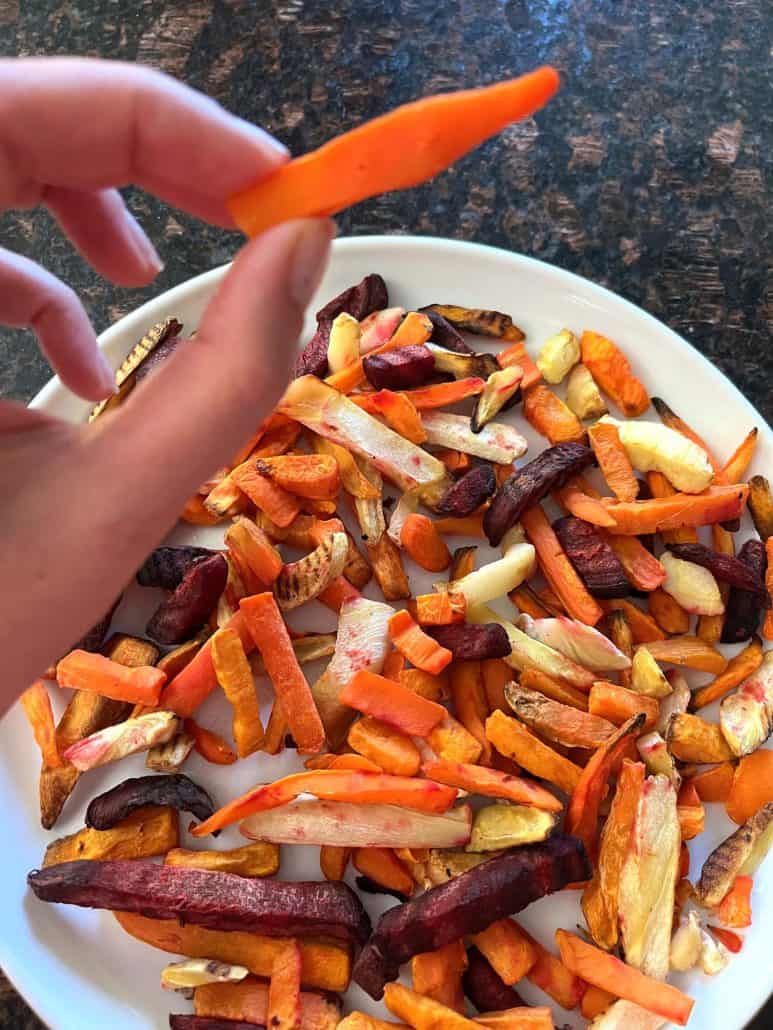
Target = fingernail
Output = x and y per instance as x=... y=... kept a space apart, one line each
x=309 y=258
x=144 y=249
x=105 y=375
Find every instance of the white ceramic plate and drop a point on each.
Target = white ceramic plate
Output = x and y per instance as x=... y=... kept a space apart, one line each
x=76 y=967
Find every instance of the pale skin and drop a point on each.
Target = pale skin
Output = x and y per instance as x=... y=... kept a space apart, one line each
x=82 y=506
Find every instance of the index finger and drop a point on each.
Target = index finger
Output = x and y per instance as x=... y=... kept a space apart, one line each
x=87 y=125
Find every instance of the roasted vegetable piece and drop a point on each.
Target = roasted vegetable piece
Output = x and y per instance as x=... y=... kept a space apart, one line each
x=368 y=295
x=400 y=369
x=723 y=567
x=217 y=900
x=444 y=334
x=167 y=566
x=652 y=447
x=128 y=374
x=305 y=579
x=83 y=670
x=732 y=857
x=743 y=608
x=596 y=563
x=193 y=972
x=468 y=493
x=178 y=792
x=249 y=1000
x=478 y=321
x=472 y=643
x=125 y=738
x=37 y=708
x=251 y=860
x=583 y=396
x=501 y=826
x=692 y=739
x=746 y=717
x=188 y=608
x=467 y=904
x=583 y=644
x=528 y=485
x=761 y=506
x=463 y=365
x=752 y=785
x=558 y=722
x=144 y=833
x=484 y=986
x=558 y=355
x=344 y=343
x=611 y=370
x=498 y=441
x=548 y=414
x=500 y=390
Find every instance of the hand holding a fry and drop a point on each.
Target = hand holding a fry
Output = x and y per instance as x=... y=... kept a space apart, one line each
x=83 y=505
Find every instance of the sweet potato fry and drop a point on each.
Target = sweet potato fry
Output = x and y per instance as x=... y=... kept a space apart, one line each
x=692 y=739
x=471 y=525
x=438 y=975
x=507 y=949
x=514 y=741
x=283 y=1010
x=519 y=1017
x=383 y=867
x=37 y=707
x=557 y=568
x=259 y=859
x=421 y=1012
x=553 y=976
x=452 y=742
x=307 y=475
x=752 y=786
x=611 y=370
x=248 y=1001
x=392 y=703
x=548 y=414
x=470 y=703
x=424 y=544
x=491 y=783
x=613 y=461
x=235 y=677
x=668 y=614
x=147 y=832
x=689 y=651
x=556 y=690
x=737 y=670
x=552 y=720
x=618 y=704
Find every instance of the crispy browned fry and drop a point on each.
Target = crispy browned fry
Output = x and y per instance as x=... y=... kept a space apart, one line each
x=388 y=569
x=479 y=321
x=125 y=377
x=761 y=506
x=555 y=721
x=146 y=832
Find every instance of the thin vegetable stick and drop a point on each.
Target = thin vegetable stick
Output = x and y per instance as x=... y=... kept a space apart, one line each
x=513 y=740
x=519 y=1018
x=557 y=568
x=312 y=476
x=524 y=598
x=247 y=1002
x=259 y=859
x=717 y=504
x=595 y=1002
x=714 y=784
x=333 y=785
x=284 y=990
x=710 y=626
x=429 y=135
x=470 y=525
x=533 y=679
x=419 y=648
x=548 y=414
x=438 y=975
x=361 y=1021
x=387 y=747
x=752 y=786
x=668 y=614
x=415 y=328
x=84 y=670
x=611 y=370
x=689 y=651
x=344 y=761
x=397 y=409
x=551 y=975
x=643 y=628
x=443 y=395
x=618 y=704
x=451 y=741
x=580 y=504
x=268 y=630
x=507 y=949
x=670 y=418
x=391 y=703
x=276 y=731
x=352 y=479
x=582 y=815
x=642 y=568
x=421 y=1012
x=434 y=688
x=767 y=625
x=333 y=861
x=235 y=677
x=383 y=867
x=424 y=544
x=491 y=783
x=496 y=674
x=37 y=707
x=209 y=745
x=280 y=506
x=146 y=833
x=738 y=668
x=388 y=569
x=516 y=355
x=735 y=468
x=454 y=461
x=606 y=971
x=660 y=487
x=613 y=461
x=255 y=548
x=441 y=609
x=470 y=703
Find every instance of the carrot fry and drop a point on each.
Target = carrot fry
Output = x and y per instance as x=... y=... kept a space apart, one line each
x=533 y=679
x=595 y=1002
x=689 y=651
x=507 y=949
x=421 y=1012
x=513 y=740
x=415 y=328
x=235 y=677
x=524 y=598
x=441 y=609
x=313 y=476
x=247 y=1002
x=732 y=941
x=496 y=674
x=548 y=414
x=352 y=478
x=443 y=395
x=267 y=628
x=37 y=707
x=470 y=703
x=391 y=703
x=434 y=688
x=195 y=514
x=399 y=410
x=333 y=785
x=738 y=668
x=618 y=704
x=438 y=975
x=668 y=614
x=580 y=504
x=419 y=648
x=690 y=812
x=491 y=783
x=717 y=504
x=516 y=355
x=752 y=786
x=437 y=130
x=642 y=568
x=454 y=461
x=557 y=569
x=385 y=746
x=209 y=745
x=338 y=592
x=84 y=670
x=255 y=549
x=276 y=731
x=643 y=628
x=344 y=761
x=613 y=461
x=388 y=569
x=424 y=544
x=280 y=506
x=470 y=525
x=611 y=370
x=660 y=487
x=735 y=468
x=552 y=976
x=582 y=815
x=394 y=663
x=714 y=784
x=333 y=861
x=604 y=970
x=284 y=989
x=383 y=867
x=452 y=742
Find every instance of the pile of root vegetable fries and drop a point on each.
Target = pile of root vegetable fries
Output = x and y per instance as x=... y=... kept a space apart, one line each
x=466 y=761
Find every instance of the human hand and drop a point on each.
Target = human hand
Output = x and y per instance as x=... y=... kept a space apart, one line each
x=83 y=505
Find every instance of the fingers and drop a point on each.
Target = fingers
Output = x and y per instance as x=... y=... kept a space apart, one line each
x=89 y=125
x=31 y=298
x=105 y=233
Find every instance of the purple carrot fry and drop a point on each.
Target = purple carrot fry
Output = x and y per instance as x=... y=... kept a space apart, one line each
x=743 y=609
x=400 y=369
x=188 y=608
x=468 y=493
x=444 y=334
x=724 y=567
x=595 y=562
x=485 y=987
x=166 y=566
x=177 y=791
x=470 y=643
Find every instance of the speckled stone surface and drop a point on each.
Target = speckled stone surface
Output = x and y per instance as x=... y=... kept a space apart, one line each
x=651 y=172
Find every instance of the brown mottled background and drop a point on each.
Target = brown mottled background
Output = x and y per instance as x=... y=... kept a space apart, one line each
x=651 y=172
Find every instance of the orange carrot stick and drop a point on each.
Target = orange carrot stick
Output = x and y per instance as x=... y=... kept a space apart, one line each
x=752 y=785
x=470 y=703
x=197 y=680
x=255 y=550
x=383 y=867
x=397 y=409
x=451 y=741
x=496 y=675
x=438 y=974
x=735 y=908
x=732 y=941
x=738 y=668
x=276 y=731
x=557 y=569
x=333 y=785
x=513 y=740
x=337 y=593
x=387 y=748
x=735 y=468
x=516 y=355
x=235 y=677
x=83 y=670
x=423 y=138
x=660 y=487
x=715 y=783
x=565 y=694
x=605 y=971
x=642 y=568
x=613 y=461
x=668 y=614
x=491 y=783
x=689 y=651
x=441 y=609
x=284 y=989
x=548 y=414
x=611 y=370
x=552 y=976
x=717 y=504
x=618 y=704
x=280 y=506
x=209 y=745
x=308 y=475
x=507 y=949
x=643 y=627
x=392 y=703
x=267 y=628
x=434 y=688
x=580 y=504
x=442 y=395
x=470 y=525
x=37 y=707
x=394 y=663
x=419 y=648
x=424 y=544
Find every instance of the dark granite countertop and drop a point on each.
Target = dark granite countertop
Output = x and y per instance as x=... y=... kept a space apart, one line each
x=650 y=173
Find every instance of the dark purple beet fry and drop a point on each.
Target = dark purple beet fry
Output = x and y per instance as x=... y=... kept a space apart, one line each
x=595 y=562
x=400 y=369
x=743 y=609
x=725 y=568
x=468 y=492
x=177 y=791
x=444 y=334
x=166 y=566
x=470 y=643
x=485 y=987
x=189 y=607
